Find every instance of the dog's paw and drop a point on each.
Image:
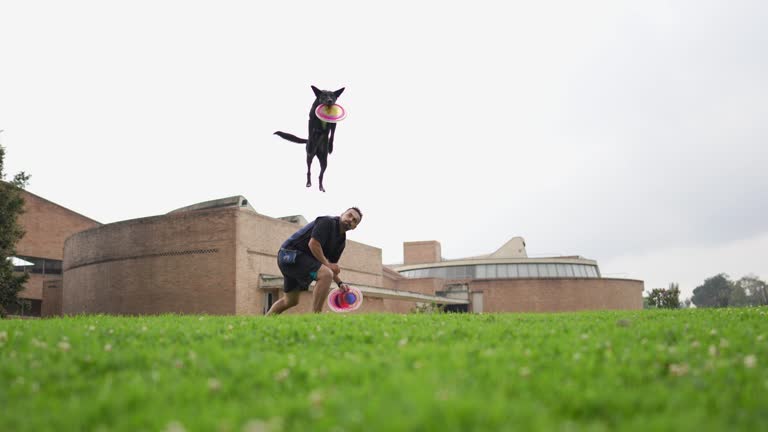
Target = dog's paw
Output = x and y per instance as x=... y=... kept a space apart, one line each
x=309 y=184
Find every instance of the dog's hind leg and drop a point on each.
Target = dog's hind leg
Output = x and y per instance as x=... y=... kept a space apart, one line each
x=323 y=158
x=309 y=169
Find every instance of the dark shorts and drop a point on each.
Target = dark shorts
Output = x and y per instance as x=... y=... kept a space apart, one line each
x=298 y=276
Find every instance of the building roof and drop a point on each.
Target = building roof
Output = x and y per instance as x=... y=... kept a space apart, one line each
x=233 y=201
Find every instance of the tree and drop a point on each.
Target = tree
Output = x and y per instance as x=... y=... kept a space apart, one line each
x=755 y=290
x=11 y=206
x=715 y=292
x=665 y=298
x=671 y=299
x=738 y=296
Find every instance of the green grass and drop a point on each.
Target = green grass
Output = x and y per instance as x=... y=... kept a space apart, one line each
x=602 y=371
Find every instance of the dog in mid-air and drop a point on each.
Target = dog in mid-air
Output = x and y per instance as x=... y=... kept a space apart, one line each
x=320 y=140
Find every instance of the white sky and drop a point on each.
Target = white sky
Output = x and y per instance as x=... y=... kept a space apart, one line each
x=633 y=133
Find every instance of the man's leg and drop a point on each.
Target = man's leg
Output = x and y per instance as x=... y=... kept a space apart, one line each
x=323 y=285
x=287 y=301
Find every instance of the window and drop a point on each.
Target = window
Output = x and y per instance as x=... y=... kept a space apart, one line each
x=52 y=267
x=501 y=271
x=512 y=270
x=577 y=270
x=591 y=271
x=492 y=271
x=523 y=270
x=39 y=265
x=482 y=271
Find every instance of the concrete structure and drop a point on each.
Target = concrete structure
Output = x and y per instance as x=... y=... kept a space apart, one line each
x=46 y=225
x=508 y=281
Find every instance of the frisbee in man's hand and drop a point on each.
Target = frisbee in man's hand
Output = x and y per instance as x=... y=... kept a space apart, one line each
x=340 y=301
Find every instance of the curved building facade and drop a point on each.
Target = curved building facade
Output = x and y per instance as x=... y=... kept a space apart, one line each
x=507 y=280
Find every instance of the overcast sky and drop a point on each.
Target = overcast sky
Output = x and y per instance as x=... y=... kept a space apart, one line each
x=632 y=133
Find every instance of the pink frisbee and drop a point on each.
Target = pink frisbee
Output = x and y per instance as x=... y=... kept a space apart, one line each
x=340 y=301
x=330 y=113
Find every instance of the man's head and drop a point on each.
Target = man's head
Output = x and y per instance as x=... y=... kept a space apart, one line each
x=351 y=218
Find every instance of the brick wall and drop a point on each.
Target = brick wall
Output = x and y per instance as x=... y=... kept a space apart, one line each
x=47 y=225
x=559 y=295
x=421 y=252
x=180 y=263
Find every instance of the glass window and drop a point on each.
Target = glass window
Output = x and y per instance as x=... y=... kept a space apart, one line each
x=37 y=266
x=492 y=271
x=501 y=270
x=569 y=268
x=450 y=272
x=533 y=270
x=523 y=270
x=481 y=271
x=591 y=271
x=461 y=272
x=579 y=269
x=543 y=270
x=561 y=272
x=512 y=270
x=552 y=270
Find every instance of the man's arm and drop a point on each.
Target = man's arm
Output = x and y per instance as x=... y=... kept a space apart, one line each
x=342 y=286
x=317 y=252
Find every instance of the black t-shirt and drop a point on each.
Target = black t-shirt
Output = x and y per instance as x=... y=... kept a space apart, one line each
x=327 y=231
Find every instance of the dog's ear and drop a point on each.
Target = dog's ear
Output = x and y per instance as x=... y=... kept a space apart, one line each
x=339 y=92
x=317 y=91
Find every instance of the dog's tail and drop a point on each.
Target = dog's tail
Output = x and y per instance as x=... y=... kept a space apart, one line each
x=292 y=138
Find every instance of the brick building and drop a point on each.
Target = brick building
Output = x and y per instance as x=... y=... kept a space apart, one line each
x=46 y=225
x=507 y=280
x=219 y=257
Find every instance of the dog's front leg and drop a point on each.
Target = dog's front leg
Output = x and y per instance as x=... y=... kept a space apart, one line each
x=331 y=134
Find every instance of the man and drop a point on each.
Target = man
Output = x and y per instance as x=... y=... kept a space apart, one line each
x=312 y=253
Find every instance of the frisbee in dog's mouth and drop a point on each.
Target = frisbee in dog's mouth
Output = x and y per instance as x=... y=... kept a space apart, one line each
x=331 y=113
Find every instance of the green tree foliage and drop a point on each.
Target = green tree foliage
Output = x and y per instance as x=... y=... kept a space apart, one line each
x=738 y=296
x=753 y=289
x=11 y=206
x=715 y=292
x=665 y=298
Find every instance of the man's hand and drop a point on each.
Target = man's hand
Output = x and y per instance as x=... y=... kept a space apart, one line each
x=344 y=287
x=334 y=268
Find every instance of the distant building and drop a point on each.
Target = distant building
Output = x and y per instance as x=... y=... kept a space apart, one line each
x=508 y=281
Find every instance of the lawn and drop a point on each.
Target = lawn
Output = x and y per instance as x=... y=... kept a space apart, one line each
x=695 y=369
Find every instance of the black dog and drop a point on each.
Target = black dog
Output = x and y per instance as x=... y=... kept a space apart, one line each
x=320 y=141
